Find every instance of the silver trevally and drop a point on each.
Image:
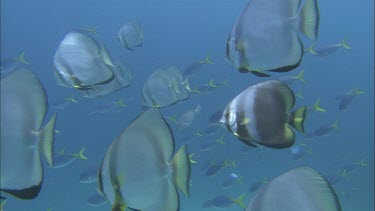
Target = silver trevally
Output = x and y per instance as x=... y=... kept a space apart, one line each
x=131 y=35
x=23 y=139
x=80 y=63
x=165 y=87
x=62 y=159
x=327 y=49
x=261 y=114
x=298 y=189
x=138 y=170
x=265 y=36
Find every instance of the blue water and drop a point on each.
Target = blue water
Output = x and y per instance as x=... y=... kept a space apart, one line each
x=178 y=32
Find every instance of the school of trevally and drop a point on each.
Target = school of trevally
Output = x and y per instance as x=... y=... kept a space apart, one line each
x=187 y=105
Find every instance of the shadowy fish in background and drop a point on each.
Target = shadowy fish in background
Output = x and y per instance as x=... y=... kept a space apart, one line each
x=216 y=116
x=328 y=49
x=346 y=99
x=298 y=189
x=10 y=64
x=256 y=185
x=194 y=67
x=323 y=130
x=299 y=151
x=95 y=200
x=216 y=165
x=23 y=138
x=187 y=118
x=138 y=170
x=61 y=159
x=230 y=180
x=130 y=35
x=289 y=80
x=165 y=87
x=265 y=35
x=224 y=201
x=261 y=114
x=88 y=175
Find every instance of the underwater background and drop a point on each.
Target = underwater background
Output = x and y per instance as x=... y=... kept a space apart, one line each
x=178 y=33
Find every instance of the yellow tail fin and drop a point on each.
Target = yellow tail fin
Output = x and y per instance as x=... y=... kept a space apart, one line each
x=317 y=106
x=344 y=44
x=80 y=154
x=21 y=58
x=239 y=202
x=181 y=170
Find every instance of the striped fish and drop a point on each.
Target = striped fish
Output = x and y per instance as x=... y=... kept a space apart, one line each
x=261 y=114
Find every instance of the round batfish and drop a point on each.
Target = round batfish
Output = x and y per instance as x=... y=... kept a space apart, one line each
x=165 y=87
x=138 y=170
x=23 y=138
x=131 y=35
x=80 y=63
x=187 y=118
x=306 y=190
x=261 y=114
x=265 y=36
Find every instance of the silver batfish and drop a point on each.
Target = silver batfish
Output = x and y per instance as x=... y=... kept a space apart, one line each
x=138 y=170
x=23 y=138
x=261 y=114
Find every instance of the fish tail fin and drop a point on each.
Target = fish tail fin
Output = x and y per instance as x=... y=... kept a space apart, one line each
x=309 y=19
x=186 y=84
x=195 y=90
x=191 y=158
x=311 y=49
x=208 y=60
x=239 y=202
x=46 y=138
x=173 y=118
x=118 y=207
x=300 y=76
x=317 y=106
x=300 y=95
x=21 y=58
x=344 y=44
x=80 y=154
x=297 y=118
x=181 y=170
x=212 y=84
x=336 y=125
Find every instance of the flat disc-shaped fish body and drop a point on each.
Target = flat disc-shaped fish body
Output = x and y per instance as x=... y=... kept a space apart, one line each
x=23 y=139
x=265 y=36
x=138 y=170
x=95 y=200
x=78 y=62
x=298 y=189
x=131 y=35
x=164 y=87
x=261 y=114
